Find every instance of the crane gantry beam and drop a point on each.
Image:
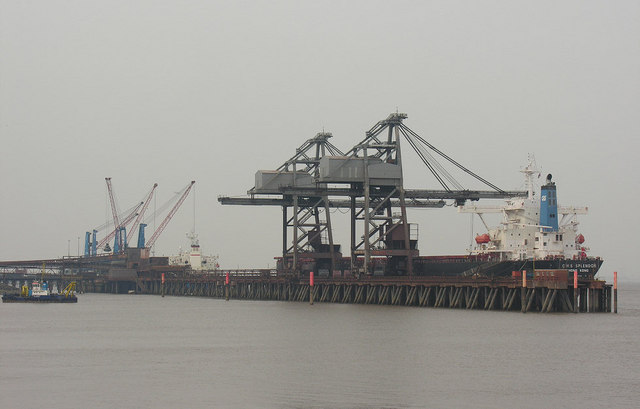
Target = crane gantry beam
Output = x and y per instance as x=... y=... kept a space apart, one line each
x=333 y=203
x=412 y=193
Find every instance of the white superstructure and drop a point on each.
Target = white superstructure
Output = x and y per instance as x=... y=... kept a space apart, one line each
x=194 y=258
x=38 y=290
x=521 y=236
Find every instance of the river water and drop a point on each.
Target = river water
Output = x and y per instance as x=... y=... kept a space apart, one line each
x=144 y=351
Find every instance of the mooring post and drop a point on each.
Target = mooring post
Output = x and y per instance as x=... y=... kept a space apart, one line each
x=615 y=292
x=226 y=287
x=575 y=291
x=311 y=288
x=523 y=294
x=162 y=289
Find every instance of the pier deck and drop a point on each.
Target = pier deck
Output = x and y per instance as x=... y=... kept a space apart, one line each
x=436 y=292
x=538 y=294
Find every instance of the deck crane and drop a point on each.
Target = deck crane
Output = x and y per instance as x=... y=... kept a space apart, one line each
x=141 y=214
x=166 y=220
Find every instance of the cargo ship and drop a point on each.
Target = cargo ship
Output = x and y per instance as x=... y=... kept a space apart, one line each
x=531 y=237
x=536 y=233
x=194 y=258
x=40 y=293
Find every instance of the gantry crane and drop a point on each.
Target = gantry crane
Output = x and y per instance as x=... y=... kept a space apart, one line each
x=370 y=176
x=310 y=222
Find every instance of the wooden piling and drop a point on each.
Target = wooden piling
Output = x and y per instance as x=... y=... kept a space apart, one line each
x=523 y=292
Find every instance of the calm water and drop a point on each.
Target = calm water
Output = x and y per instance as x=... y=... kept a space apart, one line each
x=138 y=351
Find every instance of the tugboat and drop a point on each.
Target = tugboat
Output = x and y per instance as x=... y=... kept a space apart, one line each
x=39 y=293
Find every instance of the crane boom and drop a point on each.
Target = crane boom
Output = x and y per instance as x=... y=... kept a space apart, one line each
x=116 y=220
x=113 y=203
x=125 y=222
x=141 y=214
x=122 y=214
x=166 y=220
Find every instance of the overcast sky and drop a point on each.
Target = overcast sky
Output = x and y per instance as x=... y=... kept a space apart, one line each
x=173 y=91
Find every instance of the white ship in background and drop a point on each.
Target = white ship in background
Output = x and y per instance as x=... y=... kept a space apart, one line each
x=194 y=258
x=530 y=228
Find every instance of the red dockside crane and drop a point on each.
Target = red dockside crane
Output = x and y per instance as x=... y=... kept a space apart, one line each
x=141 y=213
x=166 y=220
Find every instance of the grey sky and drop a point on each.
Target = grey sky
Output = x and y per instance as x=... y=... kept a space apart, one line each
x=167 y=92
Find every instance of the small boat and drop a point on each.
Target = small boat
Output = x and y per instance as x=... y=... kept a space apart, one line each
x=39 y=293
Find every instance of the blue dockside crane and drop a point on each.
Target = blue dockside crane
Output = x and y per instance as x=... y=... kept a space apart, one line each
x=139 y=219
x=87 y=244
x=120 y=242
x=141 y=235
x=116 y=242
x=90 y=243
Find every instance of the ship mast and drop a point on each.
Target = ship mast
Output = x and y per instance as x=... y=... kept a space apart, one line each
x=529 y=171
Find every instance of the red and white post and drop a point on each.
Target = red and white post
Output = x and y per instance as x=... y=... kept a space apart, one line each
x=615 y=292
x=311 y=288
x=226 y=287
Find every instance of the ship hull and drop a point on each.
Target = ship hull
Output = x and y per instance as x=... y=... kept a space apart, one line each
x=13 y=298
x=469 y=266
x=453 y=266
